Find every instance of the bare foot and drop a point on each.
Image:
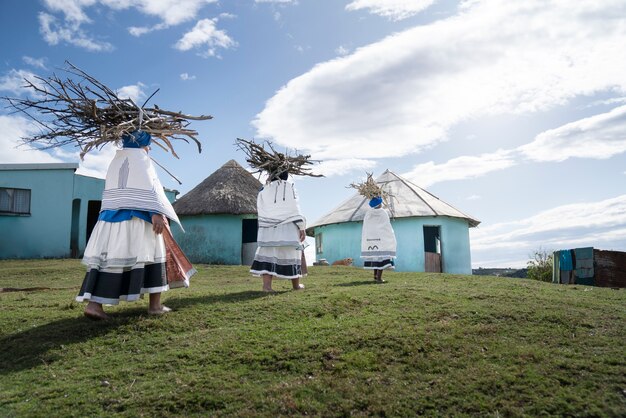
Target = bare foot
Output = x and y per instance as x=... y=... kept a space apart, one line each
x=96 y=315
x=299 y=287
x=270 y=290
x=162 y=310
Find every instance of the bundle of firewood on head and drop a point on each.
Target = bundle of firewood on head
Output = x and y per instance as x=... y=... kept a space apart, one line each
x=275 y=163
x=371 y=190
x=89 y=115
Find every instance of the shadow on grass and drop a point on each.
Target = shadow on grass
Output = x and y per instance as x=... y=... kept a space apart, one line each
x=182 y=302
x=35 y=346
x=32 y=347
x=359 y=283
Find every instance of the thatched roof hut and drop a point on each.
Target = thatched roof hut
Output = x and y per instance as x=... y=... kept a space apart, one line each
x=229 y=190
x=220 y=217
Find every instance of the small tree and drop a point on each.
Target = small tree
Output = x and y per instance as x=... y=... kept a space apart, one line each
x=540 y=265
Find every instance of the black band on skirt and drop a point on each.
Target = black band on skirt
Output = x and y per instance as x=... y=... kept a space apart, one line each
x=288 y=270
x=116 y=286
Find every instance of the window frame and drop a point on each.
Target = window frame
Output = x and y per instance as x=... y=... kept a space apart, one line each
x=12 y=201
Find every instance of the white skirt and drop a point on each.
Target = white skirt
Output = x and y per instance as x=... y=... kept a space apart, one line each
x=124 y=261
x=123 y=244
x=280 y=262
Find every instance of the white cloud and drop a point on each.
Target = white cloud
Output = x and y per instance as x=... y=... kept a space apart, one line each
x=70 y=32
x=205 y=34
x=611 y=101
x=135 y=92
x=597 y=224
x=186 y=77
x=35 y=62
x=277 y=1
x=410 y=88
x=142 y=30
x=171 y=12
x=342 y=50
x=13 y=129
x=338 y=167
x=459 y=168
x=14 y=81
x=96 y=162
x=72 y=9
x=15 y=151
x=392 y=9
x=600 y=136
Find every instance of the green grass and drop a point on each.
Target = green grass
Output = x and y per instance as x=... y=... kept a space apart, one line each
x=420 y=344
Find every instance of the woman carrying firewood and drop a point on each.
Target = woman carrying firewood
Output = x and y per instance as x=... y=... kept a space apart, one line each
x=281 y=235
x=131 y=251
x=378 y=241
x=126 y=252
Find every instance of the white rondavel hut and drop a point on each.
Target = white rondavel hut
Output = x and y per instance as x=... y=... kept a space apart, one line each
x=432 y=236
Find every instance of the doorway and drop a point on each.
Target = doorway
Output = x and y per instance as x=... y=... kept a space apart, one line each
x=249 y=229
x=75 y=226
x=432 y=249
x=93 y=211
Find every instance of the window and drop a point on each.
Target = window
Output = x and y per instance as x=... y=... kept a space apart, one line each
x=318 y=243
x=14 y=201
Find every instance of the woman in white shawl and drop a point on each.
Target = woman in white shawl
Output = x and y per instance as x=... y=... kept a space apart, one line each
x=281 y=234
x=126 y=253
x=378 y=241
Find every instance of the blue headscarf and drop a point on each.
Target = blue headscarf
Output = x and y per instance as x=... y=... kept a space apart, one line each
x=136 y=139
x=375 y=201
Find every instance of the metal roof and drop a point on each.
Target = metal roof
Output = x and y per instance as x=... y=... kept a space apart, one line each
x=40 y=166
x=406 y=200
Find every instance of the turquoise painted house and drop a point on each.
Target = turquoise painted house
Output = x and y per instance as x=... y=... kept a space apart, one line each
x=47 y=210
x=432 y=235
x=220 y=217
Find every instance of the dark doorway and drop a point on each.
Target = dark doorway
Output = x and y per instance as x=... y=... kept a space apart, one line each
x=93 y=210
x=432 y=249
x=249 y=229
x=75 y=227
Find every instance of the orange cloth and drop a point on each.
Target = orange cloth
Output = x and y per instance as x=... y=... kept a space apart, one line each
x=179 y=268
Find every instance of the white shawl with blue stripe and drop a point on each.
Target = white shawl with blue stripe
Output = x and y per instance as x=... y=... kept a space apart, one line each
x=132 y=183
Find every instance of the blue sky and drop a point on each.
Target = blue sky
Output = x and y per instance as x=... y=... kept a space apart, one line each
x=513 y=112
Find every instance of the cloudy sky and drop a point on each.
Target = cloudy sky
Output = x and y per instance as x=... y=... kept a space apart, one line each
x=512 y=112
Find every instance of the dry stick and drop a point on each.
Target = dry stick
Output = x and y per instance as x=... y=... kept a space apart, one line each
x=166 y=170
x=89 y=114
x=274 y=162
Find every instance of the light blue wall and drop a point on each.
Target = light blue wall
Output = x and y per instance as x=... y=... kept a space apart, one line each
x=46 y=231
x=344 y=240
x=211 y=239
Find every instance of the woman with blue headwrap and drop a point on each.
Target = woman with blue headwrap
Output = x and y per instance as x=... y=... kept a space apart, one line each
x=126 y=252
x=378 y=241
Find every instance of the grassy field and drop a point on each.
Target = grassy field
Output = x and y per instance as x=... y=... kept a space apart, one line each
x=420 y=344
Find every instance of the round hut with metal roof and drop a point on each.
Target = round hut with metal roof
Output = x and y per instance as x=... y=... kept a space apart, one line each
x=220 y=217
x=432 y=235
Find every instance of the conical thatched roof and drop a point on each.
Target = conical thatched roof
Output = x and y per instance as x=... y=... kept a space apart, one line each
x=230 y=190
x=405 y=200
